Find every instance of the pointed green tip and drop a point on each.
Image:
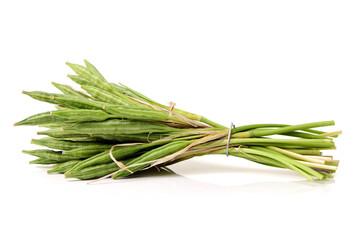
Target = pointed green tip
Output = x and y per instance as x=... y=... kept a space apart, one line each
x=71 y=64
x=22 y=122
x=68 y=174
x=71 y=174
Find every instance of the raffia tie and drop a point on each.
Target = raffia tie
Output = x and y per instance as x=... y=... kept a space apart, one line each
x=120 y=164
x=171 y=108
x=242 y=152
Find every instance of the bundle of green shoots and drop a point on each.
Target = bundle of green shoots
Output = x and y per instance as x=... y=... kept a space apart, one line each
x=110 y=130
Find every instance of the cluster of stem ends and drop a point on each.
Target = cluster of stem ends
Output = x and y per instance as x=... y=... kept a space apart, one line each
x=110 y=130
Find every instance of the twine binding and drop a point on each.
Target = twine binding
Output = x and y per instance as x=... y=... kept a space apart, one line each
x=120 y=164
x=228 y=139
x=242 y=152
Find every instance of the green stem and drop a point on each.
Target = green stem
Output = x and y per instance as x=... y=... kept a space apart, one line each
x=267 y=132
x=278 y=156
x=211 y=123
x=270 y=125
x=313 y=143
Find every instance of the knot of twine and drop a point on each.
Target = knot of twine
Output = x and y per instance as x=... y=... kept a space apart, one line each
x=171 y=108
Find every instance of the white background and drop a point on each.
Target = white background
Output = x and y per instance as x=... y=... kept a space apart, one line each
x=231 y=61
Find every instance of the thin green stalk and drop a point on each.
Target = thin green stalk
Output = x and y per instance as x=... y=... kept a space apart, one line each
x=270 y=125
x=277 y=142
x=266 y=132
x=281 y=157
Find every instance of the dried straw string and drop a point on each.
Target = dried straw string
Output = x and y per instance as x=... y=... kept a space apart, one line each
x=120 y=164
x=242 y=152
x=208 y=138
x=148 y=137
x=171 y=108
x=171 y=111
x=184 y=134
